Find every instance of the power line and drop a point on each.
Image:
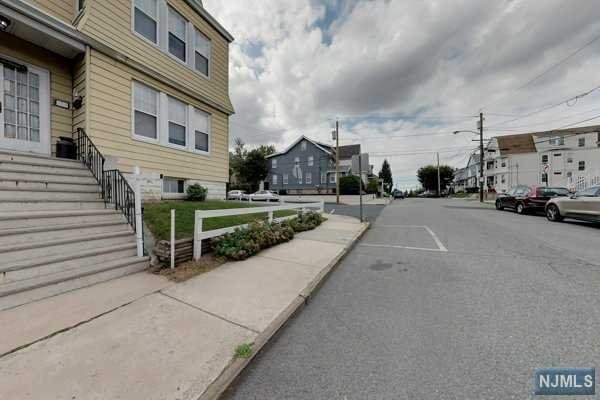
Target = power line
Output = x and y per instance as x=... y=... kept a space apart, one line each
x=535 y=78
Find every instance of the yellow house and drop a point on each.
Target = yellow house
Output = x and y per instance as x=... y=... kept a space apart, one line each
x=145 y=80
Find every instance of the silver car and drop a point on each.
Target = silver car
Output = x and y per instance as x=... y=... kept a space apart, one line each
x=583 y=205
x=237 y=195
x=264 y=195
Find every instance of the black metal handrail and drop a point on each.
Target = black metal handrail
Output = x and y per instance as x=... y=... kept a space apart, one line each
x=116 y=191
x=119 y=193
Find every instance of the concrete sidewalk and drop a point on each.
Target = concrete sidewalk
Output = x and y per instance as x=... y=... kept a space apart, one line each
x=142 y=337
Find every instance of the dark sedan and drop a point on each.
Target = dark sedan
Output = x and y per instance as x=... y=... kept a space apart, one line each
x=524 y=198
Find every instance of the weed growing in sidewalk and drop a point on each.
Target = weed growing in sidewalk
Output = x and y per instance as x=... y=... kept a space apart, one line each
x=243 y=350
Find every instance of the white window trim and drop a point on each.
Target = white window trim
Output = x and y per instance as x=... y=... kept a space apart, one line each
x=310 y=161
x=162 y=120
x=274 y=179
x=274 y=163
x=308 y=178
x=284 y=179
x=162 y=38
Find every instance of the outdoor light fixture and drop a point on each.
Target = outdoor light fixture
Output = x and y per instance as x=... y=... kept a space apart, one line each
x=4 y=23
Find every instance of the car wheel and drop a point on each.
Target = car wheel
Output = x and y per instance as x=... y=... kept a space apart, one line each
x=520 y=209
x=553 y=213
x=499 y=205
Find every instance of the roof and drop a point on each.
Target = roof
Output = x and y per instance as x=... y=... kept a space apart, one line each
x=348 y=151
x=576 y=130
x=324 y=147
x=516 y=144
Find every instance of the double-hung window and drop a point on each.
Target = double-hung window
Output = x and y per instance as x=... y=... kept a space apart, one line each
x=145 y=104
x=274 y=163
x=177 y=35
x=177 y=122
x=285 y=179
x=274 y=179
x=310 y=161
x=145 y=19
x=201 y=53
x=323 y=177
x=309 y=178
x=201 y=127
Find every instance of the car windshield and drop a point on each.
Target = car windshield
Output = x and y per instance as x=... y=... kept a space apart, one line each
x=589 y=192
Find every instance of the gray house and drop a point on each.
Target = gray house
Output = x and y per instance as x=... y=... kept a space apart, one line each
x=307 y=167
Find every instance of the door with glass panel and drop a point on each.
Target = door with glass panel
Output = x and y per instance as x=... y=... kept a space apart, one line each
x=25 y=108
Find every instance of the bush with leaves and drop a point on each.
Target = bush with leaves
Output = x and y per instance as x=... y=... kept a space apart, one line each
x=196 y=192
x=245 y=242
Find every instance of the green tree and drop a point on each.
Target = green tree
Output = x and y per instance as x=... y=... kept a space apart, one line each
x=350 y=184
x=386 y=175
x=428 y=177
x=266 y=150
x=253 y=169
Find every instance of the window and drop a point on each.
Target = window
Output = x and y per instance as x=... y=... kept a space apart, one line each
x=581 y=142
x=297 y=161
x=201 y=128
x=544 y=177
x=145 y=104
x=545 y=158
x=323 y=178
x=503 y=164
x=303 y=146
x=552 y=140
x=309 y=178
x=557 y=154
x=570 y=160
x=332 y=178
x=557 y=173
x=274 y=163
x=299 y=176
x=569 y=174
x=145 y=19
x=177 y=122
x=79 y=5
x=561 y=140
x=503 y=179
x=201 y=53
x=581 y=165
x=285 y=179
x=274 y=179
x=177 y=34
x=310 y=161
x=173 y=185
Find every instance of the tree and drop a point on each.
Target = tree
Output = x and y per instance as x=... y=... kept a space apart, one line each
x=386 y=175
x=253 y=168
x=236 y=161
x=350 y=184
x=266 y=150
x=428 y=177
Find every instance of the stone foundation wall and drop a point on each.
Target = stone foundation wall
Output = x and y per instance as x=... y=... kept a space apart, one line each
x=151 y=187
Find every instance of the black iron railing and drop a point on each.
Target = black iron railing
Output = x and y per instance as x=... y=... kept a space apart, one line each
x=116 y=191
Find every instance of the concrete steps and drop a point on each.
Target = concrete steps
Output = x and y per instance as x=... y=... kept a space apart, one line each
x=56 y=233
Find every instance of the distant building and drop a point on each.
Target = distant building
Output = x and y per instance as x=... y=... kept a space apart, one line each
x=308 y=167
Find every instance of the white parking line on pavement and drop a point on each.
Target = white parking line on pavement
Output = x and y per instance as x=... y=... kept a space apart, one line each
x=441 y=248
x=332 y=211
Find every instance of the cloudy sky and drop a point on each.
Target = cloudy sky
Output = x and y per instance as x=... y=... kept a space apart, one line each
x=401 y=75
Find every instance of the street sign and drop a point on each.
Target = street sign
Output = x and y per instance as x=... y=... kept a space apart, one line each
x=546 y=168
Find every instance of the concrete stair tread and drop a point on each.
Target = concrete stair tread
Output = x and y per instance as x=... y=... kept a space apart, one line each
x=81 y=172
x=40 y=163
x=58 y=227
x=68 y=240
x=36 y=262
x=36 y=190
x=49 y=181
x=63 y=276
x=37 y=156
x=53 y=213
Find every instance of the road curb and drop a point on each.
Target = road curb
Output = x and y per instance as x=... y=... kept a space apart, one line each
x=236 y=366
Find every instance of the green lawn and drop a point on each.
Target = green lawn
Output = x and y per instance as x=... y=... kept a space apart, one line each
x=158 y=216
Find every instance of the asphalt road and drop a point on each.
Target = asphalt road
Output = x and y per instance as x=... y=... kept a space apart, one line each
x=400 y=318
x=370 y=211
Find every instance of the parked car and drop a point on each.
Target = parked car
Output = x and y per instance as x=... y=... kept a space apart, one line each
x=583 y=205
x=524 y=198
x=264 y=195
x=398 y=194
x=237 y=195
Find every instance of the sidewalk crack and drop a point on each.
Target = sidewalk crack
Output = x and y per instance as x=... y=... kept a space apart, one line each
x=210 y=313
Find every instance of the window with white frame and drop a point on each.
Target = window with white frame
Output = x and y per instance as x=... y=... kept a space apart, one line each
x=274 y=163
x=285 y=179
x=201 y=53
x=201 y=128
x=177 y=118
x=145 y=104
x=310 y=161
x=552 y=140
x=165 y=120
x=164 y=26
x=299 y=177
x=581 y=166
x=145 y=19
x=177 y=34
x=297 y=160
x=581 y=142
x=303 y=146
x=332 y=178
x=274 y=179
x=309 y=178
x=323 y=177
x=173 y=185
x=561 y=140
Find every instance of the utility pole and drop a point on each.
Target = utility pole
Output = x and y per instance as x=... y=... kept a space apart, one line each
x=360 y=185
x=439 y=191
x=481 y=157
x=337 y=162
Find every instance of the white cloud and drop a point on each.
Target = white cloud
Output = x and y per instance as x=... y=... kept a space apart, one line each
x=389 y=67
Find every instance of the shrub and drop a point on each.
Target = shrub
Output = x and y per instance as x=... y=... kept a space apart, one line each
x=349 y=184
x=245 y=242
x=196 y=192
x=372 y=186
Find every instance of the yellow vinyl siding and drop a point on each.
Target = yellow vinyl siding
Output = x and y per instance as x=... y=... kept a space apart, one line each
x=110 y=22
x=61 y=122
x=110 y=126
x=79 y=80
x=61 y=9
